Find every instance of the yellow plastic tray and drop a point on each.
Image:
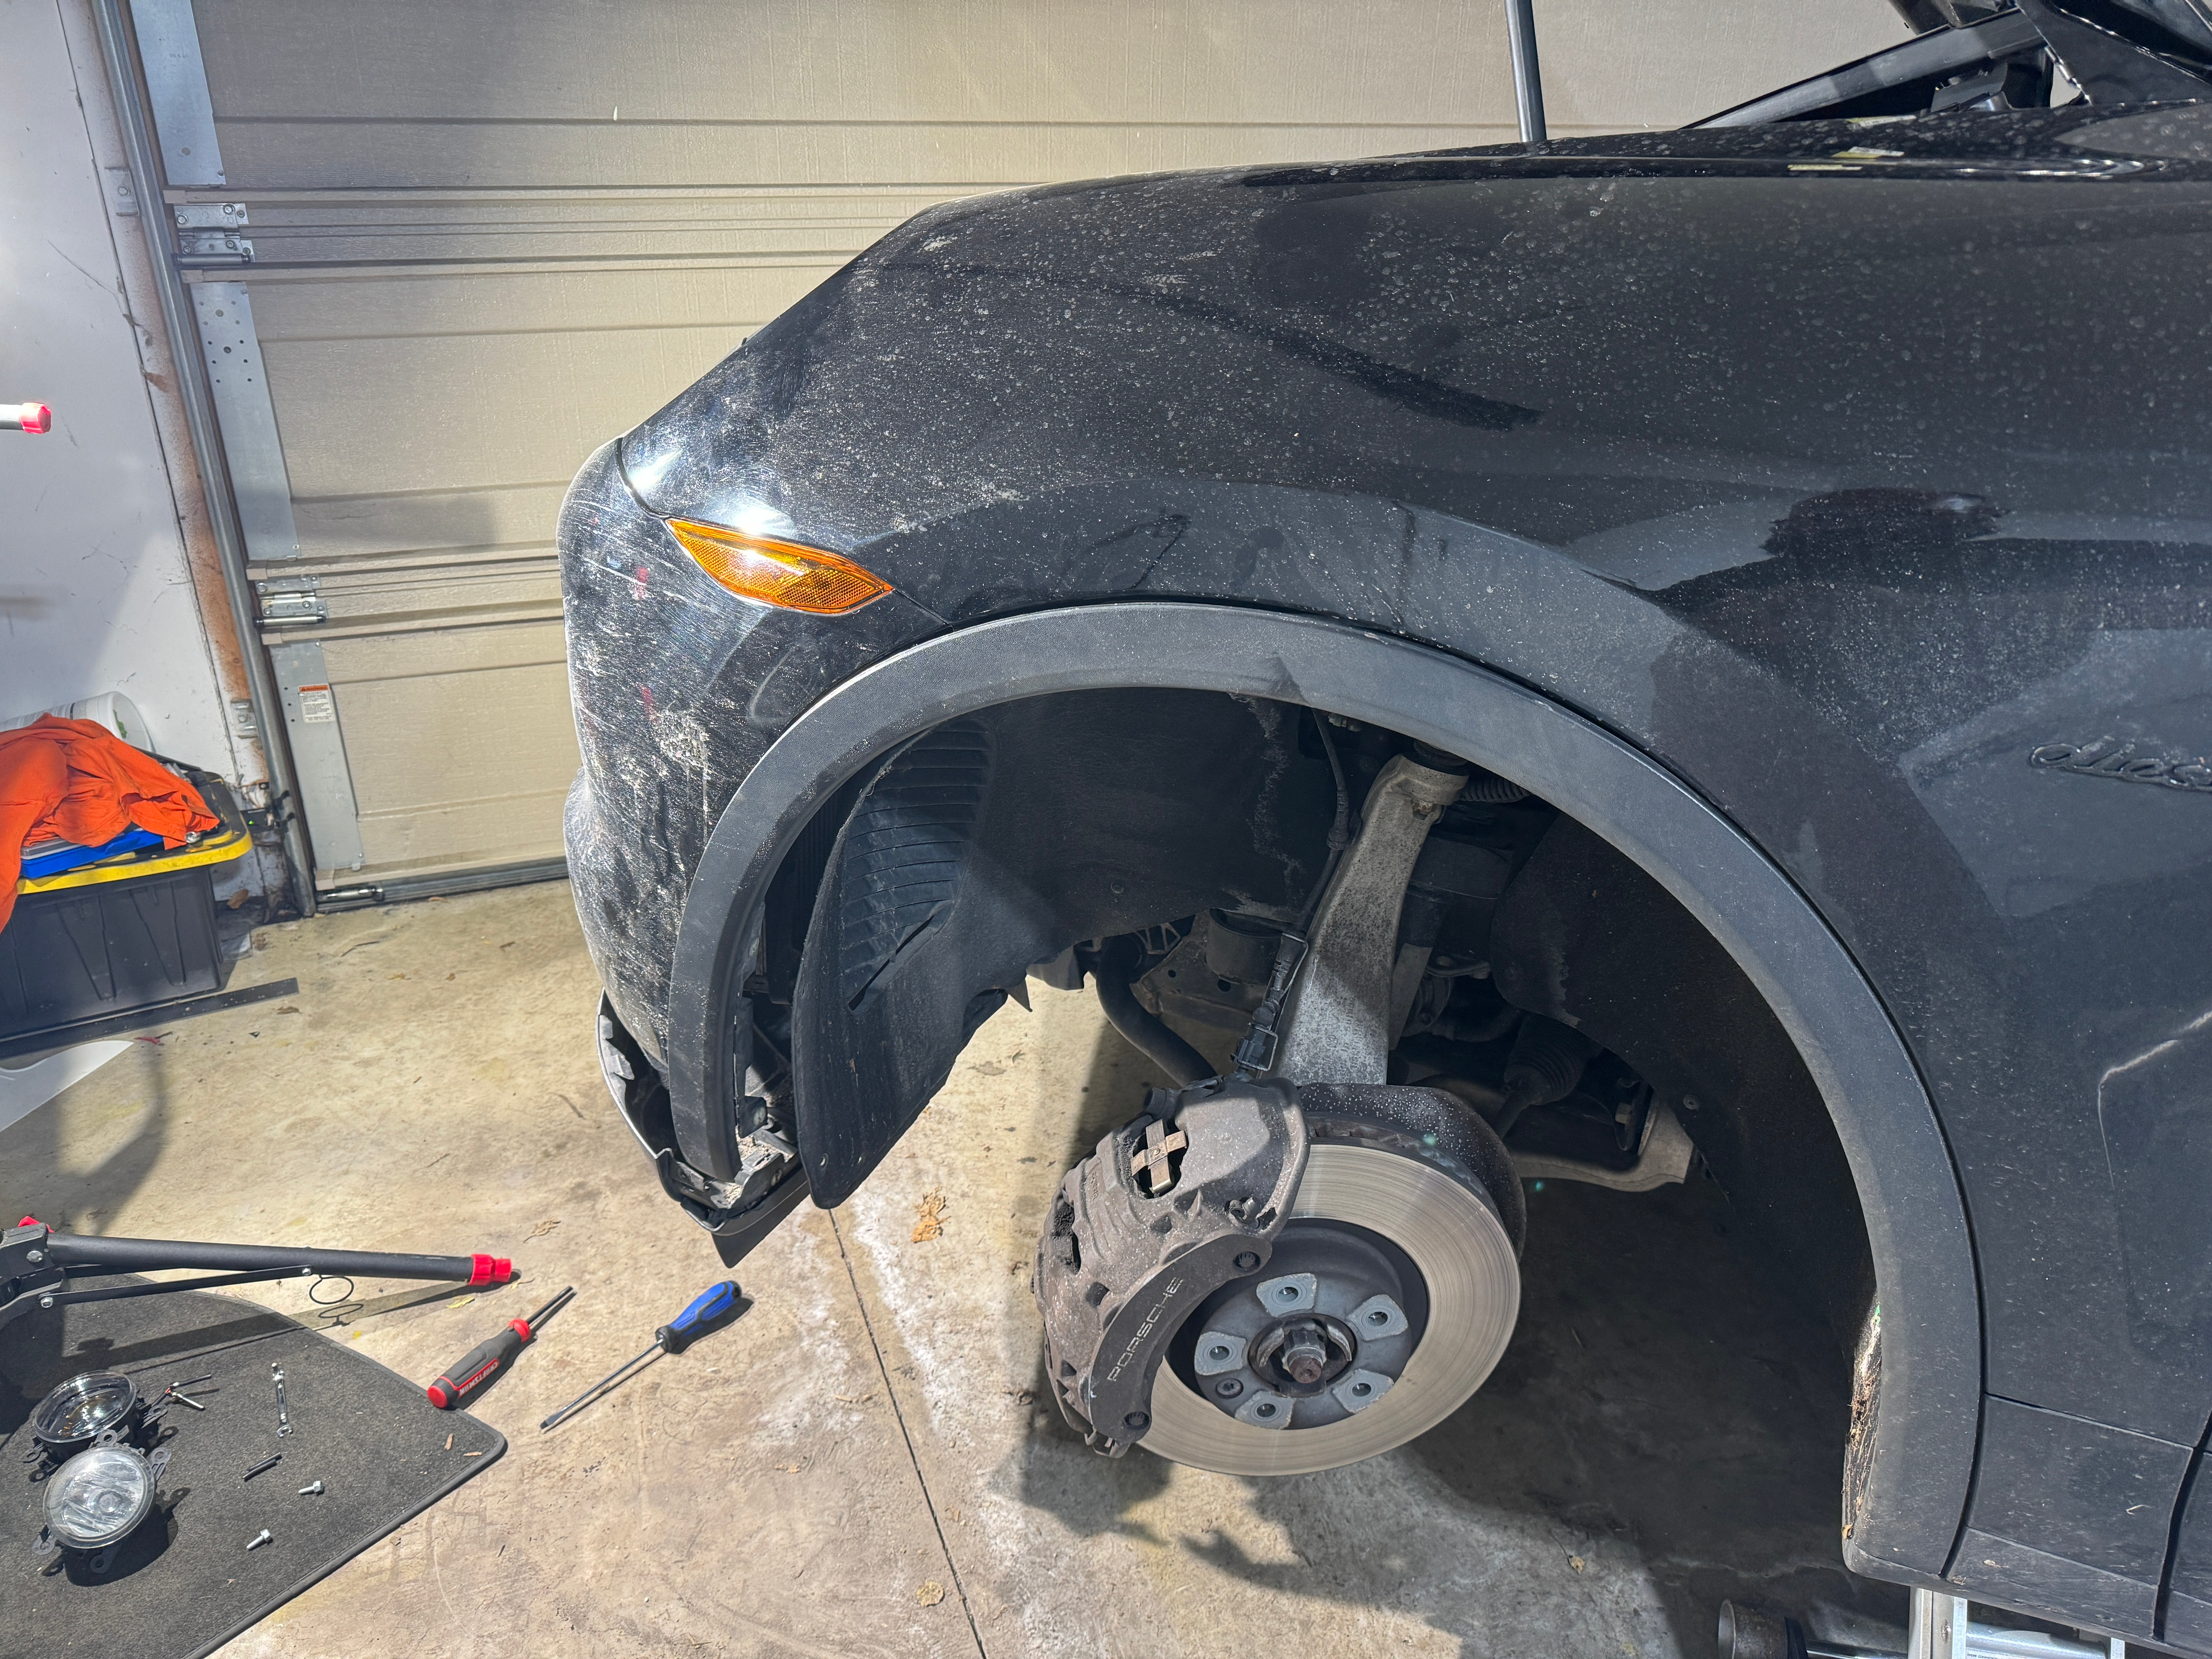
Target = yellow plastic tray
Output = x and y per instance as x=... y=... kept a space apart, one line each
x=217 y=847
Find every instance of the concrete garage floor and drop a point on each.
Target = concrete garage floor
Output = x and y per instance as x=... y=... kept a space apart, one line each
x=866 y=1463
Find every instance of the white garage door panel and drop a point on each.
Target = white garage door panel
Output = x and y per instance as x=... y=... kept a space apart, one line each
x=405 y=657
x=480 y=716
x=296 y=303
x=959 y=157
x=339 y=527
x=483 y=835
x=417 y=458
x=417 y=414
x=817 y=224
x=488 y=237
x=411 y=602
x=450 y=761
x=720 y=93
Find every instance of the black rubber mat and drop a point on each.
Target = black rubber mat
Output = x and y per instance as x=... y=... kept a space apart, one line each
x=184 y=1583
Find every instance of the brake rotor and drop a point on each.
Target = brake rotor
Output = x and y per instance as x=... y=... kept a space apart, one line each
x=1467 y=1298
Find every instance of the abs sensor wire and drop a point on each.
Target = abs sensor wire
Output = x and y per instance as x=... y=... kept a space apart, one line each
x=1110 y=965
x=1340 y=829
x=1257 y=1053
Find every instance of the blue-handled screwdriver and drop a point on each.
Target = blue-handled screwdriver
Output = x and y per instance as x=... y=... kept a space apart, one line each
x=707 y=1314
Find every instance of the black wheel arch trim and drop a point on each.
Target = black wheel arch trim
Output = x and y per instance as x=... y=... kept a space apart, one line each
x=1925 y=1431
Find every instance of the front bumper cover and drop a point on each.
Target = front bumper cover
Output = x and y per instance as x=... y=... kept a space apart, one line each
x=740 y=1213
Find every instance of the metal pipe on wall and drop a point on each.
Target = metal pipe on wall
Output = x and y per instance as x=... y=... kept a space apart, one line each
x=1528 y=78
x=177 y=317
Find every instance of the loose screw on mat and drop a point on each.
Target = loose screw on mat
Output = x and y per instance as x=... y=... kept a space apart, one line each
x=258 y=1542
x=304 y=1490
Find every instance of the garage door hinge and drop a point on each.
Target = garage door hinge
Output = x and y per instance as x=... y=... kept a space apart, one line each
x=208 y=233
x=291 y=599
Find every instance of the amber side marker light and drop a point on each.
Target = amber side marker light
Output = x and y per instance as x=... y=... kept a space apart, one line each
x=781 y=574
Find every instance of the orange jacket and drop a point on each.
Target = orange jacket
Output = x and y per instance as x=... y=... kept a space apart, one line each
x=77 y=780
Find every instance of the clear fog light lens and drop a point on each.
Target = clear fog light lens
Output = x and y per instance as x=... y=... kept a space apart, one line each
x=98 y=1496
x=83 y=1408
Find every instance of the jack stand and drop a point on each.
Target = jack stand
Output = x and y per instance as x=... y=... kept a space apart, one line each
x=1942 y=1630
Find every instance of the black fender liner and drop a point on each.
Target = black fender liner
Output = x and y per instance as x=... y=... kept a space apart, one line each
x=1003 y=838
x=1924 y=1435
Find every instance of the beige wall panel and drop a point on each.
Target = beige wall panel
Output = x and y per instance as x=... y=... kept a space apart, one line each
x=461 y=410
x=503 y=81
x=425 y=653
x=301 y=306
x=357 y=526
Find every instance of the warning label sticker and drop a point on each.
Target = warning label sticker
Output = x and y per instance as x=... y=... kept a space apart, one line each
x=317 y=708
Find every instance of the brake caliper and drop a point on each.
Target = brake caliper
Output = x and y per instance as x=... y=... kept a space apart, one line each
x=1169 y=1209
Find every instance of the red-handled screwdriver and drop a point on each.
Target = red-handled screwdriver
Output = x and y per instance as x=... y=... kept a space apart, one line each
x=487 y=1360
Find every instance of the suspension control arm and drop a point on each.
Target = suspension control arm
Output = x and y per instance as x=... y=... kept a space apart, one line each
x=1337 y=1027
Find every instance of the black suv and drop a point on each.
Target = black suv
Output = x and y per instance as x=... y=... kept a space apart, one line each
x=1590 y=659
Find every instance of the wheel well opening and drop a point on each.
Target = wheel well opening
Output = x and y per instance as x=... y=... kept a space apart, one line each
x=1157 y=843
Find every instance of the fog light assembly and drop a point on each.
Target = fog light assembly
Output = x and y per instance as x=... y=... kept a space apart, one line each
x=96 y=1500
x=99 y=1486
x=77 y=1412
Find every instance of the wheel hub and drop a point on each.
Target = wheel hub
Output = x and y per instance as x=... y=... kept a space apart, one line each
x=1392 y=1287
x=1287 y=1351
x=1300 y=1356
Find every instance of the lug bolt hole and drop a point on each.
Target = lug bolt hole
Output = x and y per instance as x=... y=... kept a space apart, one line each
x=1288 y=1293
x=1378 y=1317
x=1362 y=1390
x=1217 y=1351
x=1266 y=1409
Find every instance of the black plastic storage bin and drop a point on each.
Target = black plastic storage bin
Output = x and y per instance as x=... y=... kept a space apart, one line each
x=86 y=952
x=110 y=943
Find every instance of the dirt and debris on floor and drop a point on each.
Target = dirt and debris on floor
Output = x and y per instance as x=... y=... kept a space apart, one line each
x=868 y=1462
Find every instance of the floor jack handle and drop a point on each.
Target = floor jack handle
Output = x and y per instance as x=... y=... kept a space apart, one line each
x=35 y=1259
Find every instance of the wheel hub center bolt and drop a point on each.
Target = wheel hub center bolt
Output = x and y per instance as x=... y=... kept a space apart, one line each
x=1305 y=1353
